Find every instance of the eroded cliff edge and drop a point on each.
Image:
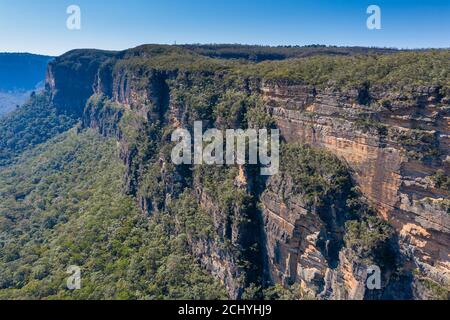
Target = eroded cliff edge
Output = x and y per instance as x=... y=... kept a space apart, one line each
x=394 y=147
x=394 y=140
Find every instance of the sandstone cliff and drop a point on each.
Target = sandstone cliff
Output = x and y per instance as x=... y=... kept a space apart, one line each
x=393 y=140
x=394 y=147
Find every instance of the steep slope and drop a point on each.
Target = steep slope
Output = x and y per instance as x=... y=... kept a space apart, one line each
x=35 y=122
x=384 y=123
x=61 y=204
x=370 y=188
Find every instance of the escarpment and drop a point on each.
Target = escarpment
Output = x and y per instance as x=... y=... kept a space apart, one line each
x=394 y=147
x=375 y=193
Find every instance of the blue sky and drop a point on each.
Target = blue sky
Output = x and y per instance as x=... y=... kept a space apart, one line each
x=40 y=26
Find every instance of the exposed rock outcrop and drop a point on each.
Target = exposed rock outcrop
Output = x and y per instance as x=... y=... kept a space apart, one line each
x=393 y=146
x=394 y=141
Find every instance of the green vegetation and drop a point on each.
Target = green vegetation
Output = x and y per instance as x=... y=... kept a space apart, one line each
x=446 y=205
x=340 y=67
x=324 y=183
x=33 y=123
x=170 y=58
x=318 y=176
x=260 y=53
x=193 y=222
x=106 y=112
x=441 y=180
x=397 y=70
x=369 y=238
x=437 y=291
x=75 y=59
x=226 y=195
x=231 y=110
x=278 y=292
x=62 y=205
x=370 y=125
x=11 y=99
x=417 y=144
x=275 y=292
x=66 y=198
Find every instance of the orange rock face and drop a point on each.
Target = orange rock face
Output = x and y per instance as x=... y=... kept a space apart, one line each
x=396 y=180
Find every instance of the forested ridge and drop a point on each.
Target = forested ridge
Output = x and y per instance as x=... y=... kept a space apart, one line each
x=86 y=177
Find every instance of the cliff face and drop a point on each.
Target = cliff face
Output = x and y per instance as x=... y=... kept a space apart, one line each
x=71 y=81
x=393 y=155
x=394 y=142
x=145 y=102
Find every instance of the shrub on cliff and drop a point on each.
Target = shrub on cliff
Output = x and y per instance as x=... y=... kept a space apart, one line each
x=317 y=175
x=369 y=237
x=417 y=144
x=441 y=180
x=192 y=220
x=398 y=69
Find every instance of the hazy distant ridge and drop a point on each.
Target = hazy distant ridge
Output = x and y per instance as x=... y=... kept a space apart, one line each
x=20 y=73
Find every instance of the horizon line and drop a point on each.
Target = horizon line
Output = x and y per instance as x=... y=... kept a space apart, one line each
x=234 y=44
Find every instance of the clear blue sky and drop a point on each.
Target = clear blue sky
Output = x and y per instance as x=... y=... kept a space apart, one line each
x=40 y=26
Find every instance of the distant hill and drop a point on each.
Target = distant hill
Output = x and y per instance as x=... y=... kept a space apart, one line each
x=261 y=53
x=20 y=73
